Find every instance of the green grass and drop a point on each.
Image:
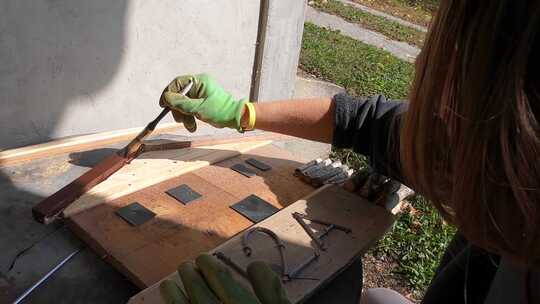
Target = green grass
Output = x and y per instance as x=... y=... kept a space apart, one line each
x=347 y=157
x=360 y=68
x=419 y=236
x=417 y=242
x=415 y=11
x=425 y=5
x=389 y=28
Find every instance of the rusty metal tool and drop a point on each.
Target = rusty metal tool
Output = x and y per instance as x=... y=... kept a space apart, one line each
x=293 y=274
x=286 y=274
x=50 y=208
x=279 y=245
x=311 y=234
x=229 y=262
x=318 y=239
x=327 y=224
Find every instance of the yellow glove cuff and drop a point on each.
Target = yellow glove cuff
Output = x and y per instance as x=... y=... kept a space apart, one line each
x=252 y=116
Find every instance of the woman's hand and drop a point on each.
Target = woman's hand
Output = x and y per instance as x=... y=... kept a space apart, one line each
x=206 y=100
x=208 y=281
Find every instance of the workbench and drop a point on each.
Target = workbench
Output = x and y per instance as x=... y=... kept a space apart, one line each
x=144 y=254
x=30 y=250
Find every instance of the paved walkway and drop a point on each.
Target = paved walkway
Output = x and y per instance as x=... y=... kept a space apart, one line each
x=397 y=48
x=384 y=15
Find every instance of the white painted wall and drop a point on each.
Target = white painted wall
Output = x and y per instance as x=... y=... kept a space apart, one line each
x=70 y=67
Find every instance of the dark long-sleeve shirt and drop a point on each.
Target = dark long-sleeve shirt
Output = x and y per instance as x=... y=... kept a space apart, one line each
x=370 y=126
x=467 y=273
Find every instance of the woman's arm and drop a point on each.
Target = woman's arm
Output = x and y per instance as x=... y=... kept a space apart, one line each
x=369 y=125
x=209 y=102
x=306 y=118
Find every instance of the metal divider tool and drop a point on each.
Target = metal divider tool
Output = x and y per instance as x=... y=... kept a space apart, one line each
x=318 y=240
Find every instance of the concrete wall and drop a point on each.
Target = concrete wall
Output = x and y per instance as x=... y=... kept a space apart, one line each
x=282 y=48
x=70 y=67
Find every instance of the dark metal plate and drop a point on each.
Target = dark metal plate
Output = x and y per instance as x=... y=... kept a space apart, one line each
x=184 y=194
x=135 y=214
x=254 y=208
x=258 y=164
x=245 y=171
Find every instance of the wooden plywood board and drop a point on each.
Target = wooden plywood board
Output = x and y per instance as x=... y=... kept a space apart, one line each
x=178 y=233
x=75 y=143
x=156 y=166
x=330 y=203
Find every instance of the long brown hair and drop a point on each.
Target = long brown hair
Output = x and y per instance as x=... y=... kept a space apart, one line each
x=470 y=139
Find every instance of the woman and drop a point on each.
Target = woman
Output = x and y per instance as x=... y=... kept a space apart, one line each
x=468 y=140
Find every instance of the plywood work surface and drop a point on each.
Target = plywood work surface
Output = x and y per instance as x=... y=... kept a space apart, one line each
x=330 y=203
x=178 y=233
x=156 y=166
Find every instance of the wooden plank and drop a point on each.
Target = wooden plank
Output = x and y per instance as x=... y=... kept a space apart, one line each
x=154 y=167
x=147 y=253
x=330 y=203
x=75 y=143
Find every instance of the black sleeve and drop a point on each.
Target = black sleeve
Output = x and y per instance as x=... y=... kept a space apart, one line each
x=370 y=126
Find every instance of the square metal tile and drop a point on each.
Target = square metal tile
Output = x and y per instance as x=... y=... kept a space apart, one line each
x=245 y=171
x=258 y=164
x=184 y=194
x=135 y=214
x=254 y=208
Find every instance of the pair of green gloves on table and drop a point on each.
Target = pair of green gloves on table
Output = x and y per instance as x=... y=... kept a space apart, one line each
x=207 y=101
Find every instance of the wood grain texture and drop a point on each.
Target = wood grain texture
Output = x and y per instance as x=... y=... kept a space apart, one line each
x=179 y=233
x=75 y=143
x=330 y=203
x=154 y=167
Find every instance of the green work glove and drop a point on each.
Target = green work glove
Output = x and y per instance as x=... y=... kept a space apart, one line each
x=206 y=100
x=209 y=281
